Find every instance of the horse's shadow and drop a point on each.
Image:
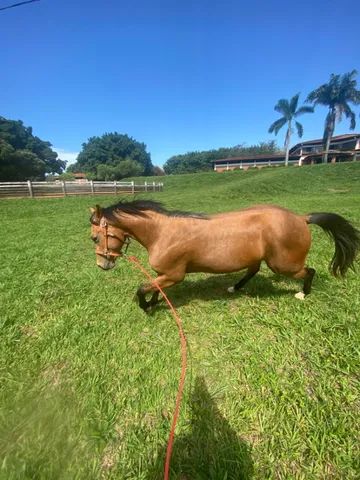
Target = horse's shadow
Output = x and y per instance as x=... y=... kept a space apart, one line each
x=210 y=450
x=215 y=288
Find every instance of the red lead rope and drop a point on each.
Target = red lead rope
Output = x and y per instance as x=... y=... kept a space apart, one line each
x=136 y=262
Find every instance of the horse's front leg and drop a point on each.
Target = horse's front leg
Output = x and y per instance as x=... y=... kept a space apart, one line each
x=163 y=281
x=141 y=295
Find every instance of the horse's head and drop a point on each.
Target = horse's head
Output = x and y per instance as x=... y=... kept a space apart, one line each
x=108 y=238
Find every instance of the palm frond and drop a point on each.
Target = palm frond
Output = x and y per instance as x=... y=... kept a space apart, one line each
x=354 y=97
x=283 y=107
x=339 y=89
x=348 y=80
x=314 y=95
x=321 y=96
x=294 y=103
x=299 y=128
x=338 y=113
x=277 y=125
x=350 y=114
x=303 y=110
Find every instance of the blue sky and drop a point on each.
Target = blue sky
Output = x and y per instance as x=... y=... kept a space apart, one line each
x=176 y=75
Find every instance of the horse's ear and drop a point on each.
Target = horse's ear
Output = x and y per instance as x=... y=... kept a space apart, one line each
x=96 y=211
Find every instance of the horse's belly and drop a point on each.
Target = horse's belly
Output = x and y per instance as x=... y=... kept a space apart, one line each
x=193 y=268
x=225 y=261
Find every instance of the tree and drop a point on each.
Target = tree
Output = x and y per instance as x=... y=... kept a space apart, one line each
x=113 y=156
x=24 y=156
x=336 y=95
x=193 y=162
x=289 y=112
x=126 y=168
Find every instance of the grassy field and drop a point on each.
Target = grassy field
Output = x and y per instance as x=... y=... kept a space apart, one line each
x=88 y=381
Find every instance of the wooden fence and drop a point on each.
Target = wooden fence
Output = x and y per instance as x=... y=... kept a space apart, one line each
x=64 y=188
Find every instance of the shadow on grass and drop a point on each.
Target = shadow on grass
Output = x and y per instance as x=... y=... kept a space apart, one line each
x=210 y=450
x=215 y=288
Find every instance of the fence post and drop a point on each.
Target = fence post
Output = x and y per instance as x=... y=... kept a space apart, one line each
x=115 y=186
x=63 y=188
x=145 y=186
x=153 y=186
x=31 y=193
x=133 y=187
x=92 y=186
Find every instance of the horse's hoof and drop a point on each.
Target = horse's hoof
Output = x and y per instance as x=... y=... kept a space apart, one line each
x=300 y=295
x=231 y=289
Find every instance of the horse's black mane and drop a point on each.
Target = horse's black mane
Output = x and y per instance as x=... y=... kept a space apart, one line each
x=139 y=208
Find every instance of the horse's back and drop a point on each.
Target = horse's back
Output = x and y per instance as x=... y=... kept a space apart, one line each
x=255 y=210
x=266 y=217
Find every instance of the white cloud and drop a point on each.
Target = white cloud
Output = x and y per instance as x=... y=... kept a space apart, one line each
x=70 y=157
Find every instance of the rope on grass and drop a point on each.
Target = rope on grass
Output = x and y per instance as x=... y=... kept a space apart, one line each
x=179 y=395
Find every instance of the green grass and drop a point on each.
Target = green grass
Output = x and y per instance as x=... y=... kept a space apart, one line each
x=88 y=381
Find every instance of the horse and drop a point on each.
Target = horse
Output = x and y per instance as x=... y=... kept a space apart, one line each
x=184 y=242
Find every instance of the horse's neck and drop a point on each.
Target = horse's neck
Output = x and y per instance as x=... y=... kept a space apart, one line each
x=142 y=229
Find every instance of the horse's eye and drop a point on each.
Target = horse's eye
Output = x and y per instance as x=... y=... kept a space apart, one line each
x=95 y=238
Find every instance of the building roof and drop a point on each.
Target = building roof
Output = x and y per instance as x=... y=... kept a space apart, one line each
x=251 y=158
x=330 y=152
x=293 y=156
x=319 y=141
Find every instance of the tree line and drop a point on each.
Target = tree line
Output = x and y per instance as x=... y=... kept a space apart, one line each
x=193 y=162
x=114 y=156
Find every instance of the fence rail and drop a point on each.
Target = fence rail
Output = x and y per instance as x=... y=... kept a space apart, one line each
x=65 y=188
x=245 y=164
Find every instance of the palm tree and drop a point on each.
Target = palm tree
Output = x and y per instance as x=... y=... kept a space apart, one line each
x=336 y=95
x=289 y=111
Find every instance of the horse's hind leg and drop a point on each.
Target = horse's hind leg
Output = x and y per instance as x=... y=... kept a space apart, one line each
x=251 y=272
x=307 y=274
x=297 y=271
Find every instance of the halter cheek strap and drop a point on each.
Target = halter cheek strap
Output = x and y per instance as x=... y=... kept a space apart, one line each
x=103 y=228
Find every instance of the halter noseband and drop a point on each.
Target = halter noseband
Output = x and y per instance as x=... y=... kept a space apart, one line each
x=103 y=228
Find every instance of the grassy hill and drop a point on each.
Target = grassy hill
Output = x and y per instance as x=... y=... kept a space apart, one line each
x=88 y=381
x=233 y=189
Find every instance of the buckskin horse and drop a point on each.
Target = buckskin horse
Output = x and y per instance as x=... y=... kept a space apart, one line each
x=181 y=242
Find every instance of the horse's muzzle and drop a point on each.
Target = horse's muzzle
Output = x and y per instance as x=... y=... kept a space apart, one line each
x=105 y=263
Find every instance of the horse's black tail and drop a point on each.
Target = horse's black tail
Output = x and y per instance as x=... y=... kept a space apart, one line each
x=345 y=236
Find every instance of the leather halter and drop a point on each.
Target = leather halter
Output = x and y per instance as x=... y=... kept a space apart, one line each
x=107 y=253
